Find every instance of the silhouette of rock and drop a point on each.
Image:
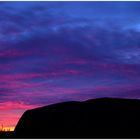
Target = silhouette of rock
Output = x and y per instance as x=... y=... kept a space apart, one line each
x=97 y=118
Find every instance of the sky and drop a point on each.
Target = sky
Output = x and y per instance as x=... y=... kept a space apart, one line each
x=53 y=52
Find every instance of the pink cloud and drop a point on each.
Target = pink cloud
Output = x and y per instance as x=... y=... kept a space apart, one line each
x=12 y=53
x=10 y=112
x=6 y=77
x=9 y=119
x=15 y=105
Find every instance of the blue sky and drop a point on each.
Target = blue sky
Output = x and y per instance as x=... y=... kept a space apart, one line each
x=60 y=51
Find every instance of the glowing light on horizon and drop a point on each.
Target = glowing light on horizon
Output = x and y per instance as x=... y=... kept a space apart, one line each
x=8 y=128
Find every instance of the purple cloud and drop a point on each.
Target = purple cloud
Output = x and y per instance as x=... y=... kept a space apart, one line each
x=52 y=52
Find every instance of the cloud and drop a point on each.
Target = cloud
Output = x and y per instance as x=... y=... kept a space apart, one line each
x=15 y=105
x=52 y=52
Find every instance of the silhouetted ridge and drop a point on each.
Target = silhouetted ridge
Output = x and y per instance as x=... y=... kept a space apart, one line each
x=96 y=118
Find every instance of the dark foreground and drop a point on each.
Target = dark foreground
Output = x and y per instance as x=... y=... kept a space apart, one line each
x=5 y=134
x=97 y=118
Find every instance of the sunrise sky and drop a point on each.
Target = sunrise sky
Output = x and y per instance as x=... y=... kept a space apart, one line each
x=60 y=51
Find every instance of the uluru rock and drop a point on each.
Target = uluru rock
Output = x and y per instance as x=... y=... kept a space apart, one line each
x=96 y=118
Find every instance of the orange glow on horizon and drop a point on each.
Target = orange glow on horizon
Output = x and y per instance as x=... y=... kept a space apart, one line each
x=10 y=113
x=7 y=129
